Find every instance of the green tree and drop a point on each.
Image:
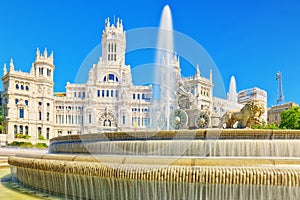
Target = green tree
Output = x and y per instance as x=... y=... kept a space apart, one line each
x=290 y=118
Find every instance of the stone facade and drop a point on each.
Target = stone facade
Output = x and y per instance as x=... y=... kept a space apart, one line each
x=28 y=99
x=108 y=101
x=275 y=111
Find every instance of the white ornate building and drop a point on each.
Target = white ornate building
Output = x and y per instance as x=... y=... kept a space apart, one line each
x=108 y=101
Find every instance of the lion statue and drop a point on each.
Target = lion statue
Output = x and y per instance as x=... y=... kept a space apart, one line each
x=250 y=114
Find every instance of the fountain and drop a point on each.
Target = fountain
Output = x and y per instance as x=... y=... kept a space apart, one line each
x=245 y=164
x=167 y=73
x=182 y=164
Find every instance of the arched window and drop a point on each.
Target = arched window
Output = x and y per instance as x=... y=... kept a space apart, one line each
x=104 y=79
x=107 y=122
x=22 y=87
x=16 y=101
x=15 y=129
x=26 y=102
x=21 y=129
x=39 y=130
x=26 y=87
x=26 y=130
x=17 y=86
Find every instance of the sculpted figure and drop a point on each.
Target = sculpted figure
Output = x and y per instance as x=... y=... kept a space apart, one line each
x=184 y=98
x=250 y=114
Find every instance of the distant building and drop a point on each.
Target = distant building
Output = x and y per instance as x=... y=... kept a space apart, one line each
x=275 y=111
x=247 y=95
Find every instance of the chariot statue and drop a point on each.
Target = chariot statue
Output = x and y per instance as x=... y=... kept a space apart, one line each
x=188 y=116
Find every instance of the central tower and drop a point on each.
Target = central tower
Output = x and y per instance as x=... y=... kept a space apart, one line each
x=113 y=43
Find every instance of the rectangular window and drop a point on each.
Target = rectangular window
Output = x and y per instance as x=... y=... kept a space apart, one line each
x=111 y=93
x=90 y=118
x=98 y=93
x=123 y=119
x=117 y=93
x=138 y=96
x=74 y=94
x=48 y=133
x=103 y=93
x=22 y=113
x=107 y=93
x=111 y=77
x=40 y=115
x=133 y=96
x=83 y=94
x=70 y=119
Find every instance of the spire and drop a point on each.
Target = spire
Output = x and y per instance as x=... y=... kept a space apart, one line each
x=107 y=24
x=232 y=94
x=38 y=53
x=197 y=71
x=118 y=22
x=45 y=53
x=11 y=65
x=52 y=56
x=4 y=69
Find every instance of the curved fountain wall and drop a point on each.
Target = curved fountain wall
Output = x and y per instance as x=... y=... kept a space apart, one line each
x=215 y=143
x=70 y=169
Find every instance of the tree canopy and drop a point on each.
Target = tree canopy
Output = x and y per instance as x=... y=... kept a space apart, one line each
x=290 y=118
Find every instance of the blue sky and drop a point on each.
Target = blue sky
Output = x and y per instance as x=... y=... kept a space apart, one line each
x=251 y=40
